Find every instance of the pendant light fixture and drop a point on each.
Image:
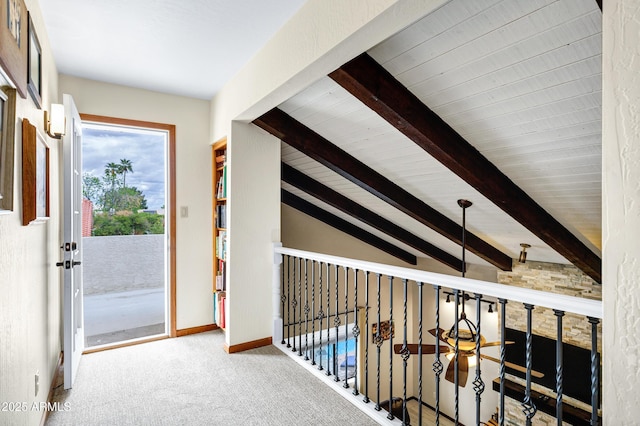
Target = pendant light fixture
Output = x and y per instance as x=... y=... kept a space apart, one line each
x=523 y=253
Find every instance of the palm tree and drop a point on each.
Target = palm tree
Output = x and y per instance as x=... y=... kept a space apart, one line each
x=124 y=167
x=111 y=172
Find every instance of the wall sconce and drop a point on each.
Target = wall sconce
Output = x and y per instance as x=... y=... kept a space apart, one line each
x=55 y=123
x=523 y=253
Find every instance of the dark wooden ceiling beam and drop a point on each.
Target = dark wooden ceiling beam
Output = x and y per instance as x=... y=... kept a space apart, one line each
x=305 y=140
x=333 y=198
x=348 y=228
x=368 y=81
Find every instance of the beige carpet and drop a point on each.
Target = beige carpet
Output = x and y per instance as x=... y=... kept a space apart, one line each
x=192 y=381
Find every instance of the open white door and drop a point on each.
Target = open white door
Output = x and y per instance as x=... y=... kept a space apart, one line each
x=72 y=244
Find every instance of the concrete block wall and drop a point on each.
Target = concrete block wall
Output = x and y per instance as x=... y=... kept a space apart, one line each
x=123 y=262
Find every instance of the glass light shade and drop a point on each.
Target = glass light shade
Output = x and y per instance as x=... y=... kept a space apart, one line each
x=471 y=360
x=56 y=120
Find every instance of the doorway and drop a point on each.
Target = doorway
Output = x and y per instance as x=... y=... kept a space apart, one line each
x=128 y=230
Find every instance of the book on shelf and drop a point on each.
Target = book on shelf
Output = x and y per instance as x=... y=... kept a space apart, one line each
x=215 y=307
x=221 y=310
x=221 y=184
x=220 y=159
x=221 y=216
x=224 y=181
x=221 y=283
x=221 y=245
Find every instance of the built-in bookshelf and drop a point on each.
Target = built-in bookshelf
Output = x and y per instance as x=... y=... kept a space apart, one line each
x=219 y=186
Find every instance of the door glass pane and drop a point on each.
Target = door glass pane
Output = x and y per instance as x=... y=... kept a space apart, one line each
x=124 y=237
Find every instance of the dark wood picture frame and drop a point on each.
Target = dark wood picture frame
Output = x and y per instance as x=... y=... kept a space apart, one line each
x=7 y=146
x=35 y=175
x=13 y=43
x=34 y=65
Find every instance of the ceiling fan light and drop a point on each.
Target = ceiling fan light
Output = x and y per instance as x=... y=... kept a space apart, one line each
x=471 y=359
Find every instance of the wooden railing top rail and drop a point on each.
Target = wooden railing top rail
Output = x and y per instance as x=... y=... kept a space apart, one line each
x=577 y=305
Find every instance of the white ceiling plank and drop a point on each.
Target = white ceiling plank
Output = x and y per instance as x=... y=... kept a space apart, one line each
x=520 y=80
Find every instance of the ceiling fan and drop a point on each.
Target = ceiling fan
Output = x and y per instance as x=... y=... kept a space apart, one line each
x=466 y=332
x=466 y=352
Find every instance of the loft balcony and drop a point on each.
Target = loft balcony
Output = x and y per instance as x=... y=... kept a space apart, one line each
x=412 y=347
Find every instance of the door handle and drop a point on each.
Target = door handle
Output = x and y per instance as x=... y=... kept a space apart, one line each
x=67 y=264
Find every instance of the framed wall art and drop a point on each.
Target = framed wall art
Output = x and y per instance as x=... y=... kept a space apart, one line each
x=13 y=43
x=7 y=144
x=34 y=66
x=386 y=330
x=35 y=175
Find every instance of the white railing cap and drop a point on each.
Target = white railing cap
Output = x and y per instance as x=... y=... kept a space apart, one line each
x=588 y=307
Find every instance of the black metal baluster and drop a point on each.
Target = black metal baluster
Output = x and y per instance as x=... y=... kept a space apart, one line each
x=313 y=310
x=503 y=353
x=328 y=316
x=283 y=298
x=320 y=313
x=356 y=330
x=306 y=310
x=390 y=415
x=595 y=371
x=336 y=323
x=420 y=318
x=366 y=328
x=437 y=364
x=559 y=365
x=528 y=407
x=294 y=304
x=456 y=356
x=378 y=341
x=405 y=355
x=289 y=304
x=300 y=306
x=346 y=327
x=478 y=384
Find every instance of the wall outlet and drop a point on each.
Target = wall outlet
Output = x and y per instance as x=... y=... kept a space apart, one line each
x=184 y=211
x=37 y=382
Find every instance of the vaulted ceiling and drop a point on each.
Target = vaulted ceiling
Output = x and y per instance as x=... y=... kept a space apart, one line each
x=497 y=102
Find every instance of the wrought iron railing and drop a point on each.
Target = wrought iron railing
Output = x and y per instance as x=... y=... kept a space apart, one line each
x=322 y=302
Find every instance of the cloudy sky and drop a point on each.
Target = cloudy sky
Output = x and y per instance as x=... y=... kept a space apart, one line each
x=145 y=149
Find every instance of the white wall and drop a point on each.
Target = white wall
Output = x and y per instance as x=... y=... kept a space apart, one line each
x=193 y=179
x=621 y=218
x=254 y=222
x=30 y=285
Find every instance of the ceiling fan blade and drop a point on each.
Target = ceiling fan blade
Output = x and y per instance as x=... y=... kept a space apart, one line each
x=426 y=349
x=449 y=375
x=439 y=333
x=463 y=370
x=508 y=342
x=517 y=367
